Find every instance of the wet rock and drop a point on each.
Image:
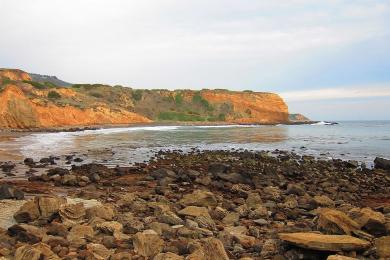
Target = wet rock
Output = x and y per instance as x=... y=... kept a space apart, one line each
x=332 y=243
x=383 y=247
x=199 y=198
x=194 y=211
x=382 y=163
x=332 y=221
x=10 y=192
x=148 y=243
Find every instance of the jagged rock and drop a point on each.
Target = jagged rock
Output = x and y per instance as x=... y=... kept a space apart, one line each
x=333 y=221
x=78 y=233
x=253 y=200
x=103 y=212
x=72 y=214
x=148 y=243
x=238 y=233
x=332 y=243
x=218 y=213
x=46 y=252
x=231 y=218
x=194 y=211
x=27 y=213
x=110 y=227
x=168 y=256
x=26 y=233
x=372 y=221
x=199 y=198
x=170 y=218
x=98 y=252
x=383 y=247
x=205 y=222
x=27 y=252
x=49 y=205
x=382 y=163
x=10 y=192
x=209 y=249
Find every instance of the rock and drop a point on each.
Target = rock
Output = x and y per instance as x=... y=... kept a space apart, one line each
x=322 y=201
x=194 y=211
x=372 y=221
x=199 y=198
x=78 y=233
x=57 y=171
x=27 y=213
x=168 y=256
x=163 y=173
x=209 y=249
x=46 y=252
x=272 y=192
x=253 y=200
x=270 y=248
x=110 y=227
x=49 y=205
x=170 y=218
x=332 y=243
x=10 y=192
x=261 y=222
x=7 y=167
x=69 y=179
x=382 y=163
x=335 y=222
x=148 y=243
x=29 y=161
x=233 y=177
x=27 y=252
x=26 y=233
x=295 y=189
x=239 y=235
x=231 y=218
x=383 y=247
x=72 y=214
x=98 y=251
x=205 y=222
x=103 y=212
x=219 y=168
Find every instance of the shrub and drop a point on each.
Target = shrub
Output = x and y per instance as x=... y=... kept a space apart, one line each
x=137 y=94
x=53 y=95
x=35 y=84
x=96 y=95
x=176 y=116
x=179 y=99
x=198 y=99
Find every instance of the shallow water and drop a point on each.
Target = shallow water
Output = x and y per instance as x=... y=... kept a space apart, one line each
x=361 y=141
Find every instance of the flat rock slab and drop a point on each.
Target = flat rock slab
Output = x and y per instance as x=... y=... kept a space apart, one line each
x=333 y=243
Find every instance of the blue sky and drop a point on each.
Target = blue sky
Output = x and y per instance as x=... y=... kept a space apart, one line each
x=329 y=59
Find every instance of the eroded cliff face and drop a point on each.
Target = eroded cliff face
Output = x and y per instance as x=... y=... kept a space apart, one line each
x=25 y=104
x=17 y=111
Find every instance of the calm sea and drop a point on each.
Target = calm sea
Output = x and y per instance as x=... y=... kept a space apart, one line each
x=357 y=140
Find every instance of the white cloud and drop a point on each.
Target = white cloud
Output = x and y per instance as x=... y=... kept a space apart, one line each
x=363 y=91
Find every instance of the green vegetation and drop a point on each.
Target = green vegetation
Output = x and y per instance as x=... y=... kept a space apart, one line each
x=220 y=118
x=177 y=116
x=137 y=95
x=248 y=91
x=179 y=99
x=53 y=95
x=39 y=85
x=198 y=99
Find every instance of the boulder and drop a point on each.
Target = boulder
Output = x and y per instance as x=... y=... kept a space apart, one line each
x=371 y=221
x=26 y=233
x=382 y=163
x=103 y=212
x=332 y=221
x=295 y=189
x=49 y=205
x=253 y=200
x=78 y=233
x=27 y=252
x=170 y=218
x=194 y=211
x=331 y=243
x=148 y=243
x=383 y=247
x=209 y=249
x=168 y=256
x=72 y=214
x=199 y=198
x=10 y=192
x=98 y=251
x=27 y=213
x=322 y=201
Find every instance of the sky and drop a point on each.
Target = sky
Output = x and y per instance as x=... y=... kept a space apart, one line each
x=329 y=59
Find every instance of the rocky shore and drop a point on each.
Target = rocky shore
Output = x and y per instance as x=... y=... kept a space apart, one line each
x=200 y=205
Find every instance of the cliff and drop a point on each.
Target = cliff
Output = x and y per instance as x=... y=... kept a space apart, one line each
x=27 y=104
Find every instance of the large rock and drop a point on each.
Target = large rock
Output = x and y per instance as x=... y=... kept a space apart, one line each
x=372 y=221
x=98 y=251
x=199 y=198
x=49 y=205
x=322 y=201
x=333 y=221
x=27 y=252
x=209 y=249
x=72 y=214
x=168 y=256
x=28 y=212
x=103 y=212
x=340 y=257
x=148 y=243
x=382 y=163
x=10 y=192
x=332 y=243
x=383 y=247
x=26 y=233
x=79 y=233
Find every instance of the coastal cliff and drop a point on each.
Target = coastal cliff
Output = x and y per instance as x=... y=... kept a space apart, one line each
x=28 y=104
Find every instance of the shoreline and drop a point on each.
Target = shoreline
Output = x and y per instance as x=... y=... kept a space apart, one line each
x=167 y=123
x=228 y=204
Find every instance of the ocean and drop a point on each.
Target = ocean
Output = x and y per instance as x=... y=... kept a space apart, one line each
x=348 y=140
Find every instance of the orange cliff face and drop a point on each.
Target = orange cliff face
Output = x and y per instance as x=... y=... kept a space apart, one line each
x=19 y=112
x=251 y=107
x=14 y=74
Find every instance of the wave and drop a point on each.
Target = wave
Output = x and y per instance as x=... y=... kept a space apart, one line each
x=223 y=126
x=323 y=123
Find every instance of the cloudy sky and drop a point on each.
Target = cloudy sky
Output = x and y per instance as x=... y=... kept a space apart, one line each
x=329 y=59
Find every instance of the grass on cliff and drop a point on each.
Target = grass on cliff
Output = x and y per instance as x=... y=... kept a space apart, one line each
x=177 y=116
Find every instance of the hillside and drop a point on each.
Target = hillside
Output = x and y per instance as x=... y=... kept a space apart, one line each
x=28 y=104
